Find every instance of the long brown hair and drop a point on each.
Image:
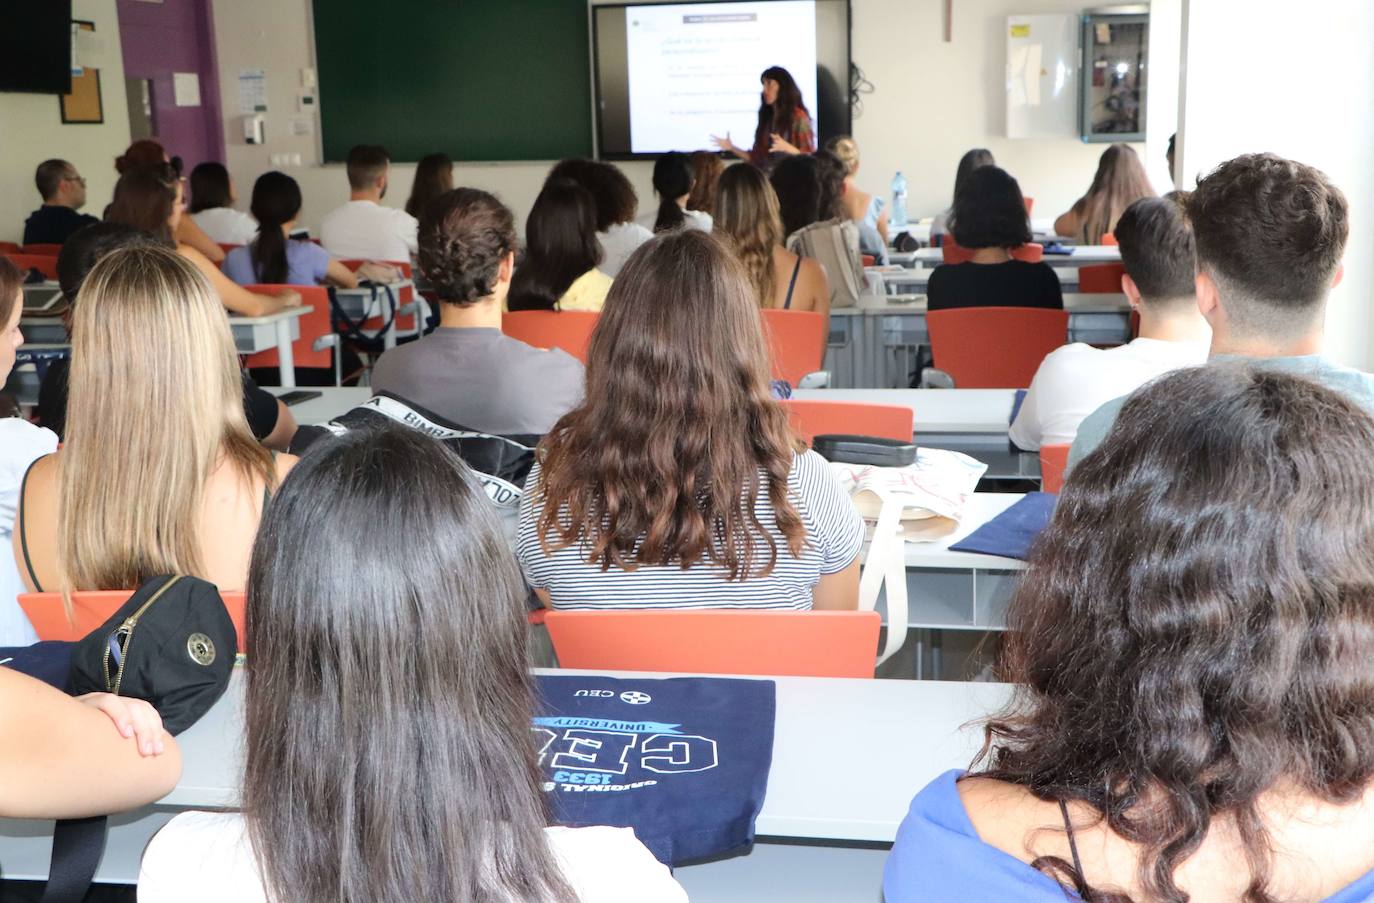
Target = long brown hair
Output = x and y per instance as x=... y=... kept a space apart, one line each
x=388 y=705
x=748 y=218
x=144 y=198
x=1120 y=182
x=663 y=462
x=1194 y=626
x=706 y=171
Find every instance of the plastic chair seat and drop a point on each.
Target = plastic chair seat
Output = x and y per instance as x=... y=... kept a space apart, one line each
x=797 y=340
x=1054 y=460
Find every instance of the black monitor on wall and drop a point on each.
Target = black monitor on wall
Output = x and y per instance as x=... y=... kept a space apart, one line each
x=36 y=48
x=668 y=76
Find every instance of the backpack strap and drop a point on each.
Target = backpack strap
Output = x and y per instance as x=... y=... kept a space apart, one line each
x=77 y=845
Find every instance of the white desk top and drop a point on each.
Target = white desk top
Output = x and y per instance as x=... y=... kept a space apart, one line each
x=982 y=507
x=886 y=738
x=1083 y=255
x=1074 y=303
x=936 y=410
x=920 y=278
x=287 y=313
x=332 y=402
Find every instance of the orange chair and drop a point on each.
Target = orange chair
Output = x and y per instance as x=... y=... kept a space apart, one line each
x=306 y=351
x=778 y=643
x=952 y=252
x=9 y=248
x=92 y=608
x=1109 y=239
x=1054 y=460
x=570 y=330
x=1030 y=205
x=226 y=247
x=994 y=347
x=797 y=339
x=40 y=262
x=817 y=418
x=1104 y=279
x=43 y=250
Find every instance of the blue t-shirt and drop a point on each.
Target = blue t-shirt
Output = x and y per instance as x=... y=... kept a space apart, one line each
x=939 y=858
x=306 y=263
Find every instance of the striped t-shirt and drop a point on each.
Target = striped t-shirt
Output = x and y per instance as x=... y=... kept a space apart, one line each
x=834 y=532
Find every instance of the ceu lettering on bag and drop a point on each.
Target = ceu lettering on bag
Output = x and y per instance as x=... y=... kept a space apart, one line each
x=683 y=761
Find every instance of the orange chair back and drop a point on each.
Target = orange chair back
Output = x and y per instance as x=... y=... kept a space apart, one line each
x=1030 y=204
x=1105 y=279
x=994 y=347
x=570 y=330
x=312 y=326
x=42 y=250
x=952 y=252
x=92 y=608
x=797 y=340
x=817 y=418
x=9 y=248
x=404 y=322
x=226 y=247
x=41 y=262
x=1054 y=460
x=785 y=643
x=1109 y=239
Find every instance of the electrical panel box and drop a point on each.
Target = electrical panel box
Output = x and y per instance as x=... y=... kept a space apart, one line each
x=1115 y=72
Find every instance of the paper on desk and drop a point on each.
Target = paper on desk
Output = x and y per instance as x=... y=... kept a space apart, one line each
x=932 y=492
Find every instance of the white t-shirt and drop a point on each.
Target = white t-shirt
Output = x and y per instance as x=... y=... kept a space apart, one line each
x=227 y=226
x=362 y=230
x=618 y=243
x=834 y=532
x=21 y=443
x=207 y=856
x=1075 y=380
x=695 y=219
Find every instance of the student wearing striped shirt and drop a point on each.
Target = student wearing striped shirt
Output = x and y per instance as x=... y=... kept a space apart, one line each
x=678 y=482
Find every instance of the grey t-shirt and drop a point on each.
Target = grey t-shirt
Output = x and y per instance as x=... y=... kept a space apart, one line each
x=1356 y=385
x=483 y=380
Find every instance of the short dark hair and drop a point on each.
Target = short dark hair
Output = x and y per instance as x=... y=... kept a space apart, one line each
x=49 y=175
x=1271 y=232
x=797 y=181
x=1157 y=249
x=464 y=234
x=989 y=211
x=366 y=163
x=209 y=186
x=86 y=247
x=616 y=201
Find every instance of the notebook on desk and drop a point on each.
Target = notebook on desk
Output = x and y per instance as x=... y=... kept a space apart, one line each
x=1011 y=533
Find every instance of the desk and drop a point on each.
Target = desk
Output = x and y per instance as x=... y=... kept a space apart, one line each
x=909 y=280
x=1082 y=256
x=333 y=401
x=361 y=304
x=841 y=786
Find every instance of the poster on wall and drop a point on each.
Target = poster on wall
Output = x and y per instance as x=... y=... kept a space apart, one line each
x=82 y=104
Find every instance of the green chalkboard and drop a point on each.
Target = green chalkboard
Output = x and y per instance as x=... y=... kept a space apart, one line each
x=476 y=79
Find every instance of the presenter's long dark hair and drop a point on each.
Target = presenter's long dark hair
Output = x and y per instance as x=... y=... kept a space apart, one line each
x=388 y=700
x=276 y=201
x=560 y=245
x=672 y=179
x=781 y=113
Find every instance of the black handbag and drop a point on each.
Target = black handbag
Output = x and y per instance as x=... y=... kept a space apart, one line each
x=172 y=644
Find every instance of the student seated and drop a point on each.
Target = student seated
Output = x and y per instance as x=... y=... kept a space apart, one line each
x=559 y=271
x=467 y=371
x=748 y=221
x=616 y=205
x=866 y=210
x=146 y=153
x=970 y=161
x=1120 y=182
x=269 y=419
x=149 y=199
x=363 y=228
x=678 y=483
x=1157 y=251
x=159 y=473
x=20 y=444
x=212 y=206
x=673 y=185
x=827 y=235
x=1190 y=646
x=990 y=220
x=706 y=170
x=63 y=191
x=387 y=709
x=433 y=177
x=273 y=257
x=1270 y=234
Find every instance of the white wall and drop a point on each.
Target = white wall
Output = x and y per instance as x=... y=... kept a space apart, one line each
x=1313 y=101
x=932 y=102
x=31 y=131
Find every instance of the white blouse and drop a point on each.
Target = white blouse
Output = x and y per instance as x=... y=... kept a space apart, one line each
x=21 y=443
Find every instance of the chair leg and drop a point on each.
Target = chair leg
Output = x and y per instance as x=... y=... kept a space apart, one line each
x=920 y=655
x=936 y=640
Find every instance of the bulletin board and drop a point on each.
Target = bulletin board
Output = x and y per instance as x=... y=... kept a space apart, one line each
x=82 y=104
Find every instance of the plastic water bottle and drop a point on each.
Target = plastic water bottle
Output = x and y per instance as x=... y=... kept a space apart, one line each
x=897 y=218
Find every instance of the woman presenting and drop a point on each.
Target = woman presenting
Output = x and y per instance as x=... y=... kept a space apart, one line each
x=784 y=123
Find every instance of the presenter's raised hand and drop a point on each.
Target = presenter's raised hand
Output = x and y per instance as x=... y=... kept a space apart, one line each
x=725 y=143
x=782 y=146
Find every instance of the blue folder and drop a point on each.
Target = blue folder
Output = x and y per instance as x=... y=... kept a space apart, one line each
x=1011 y=533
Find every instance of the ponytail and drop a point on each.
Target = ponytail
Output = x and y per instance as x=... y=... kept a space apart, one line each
x=672 y=179
x=276 y=201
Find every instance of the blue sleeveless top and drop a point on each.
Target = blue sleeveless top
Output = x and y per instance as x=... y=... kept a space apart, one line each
x=939 y=857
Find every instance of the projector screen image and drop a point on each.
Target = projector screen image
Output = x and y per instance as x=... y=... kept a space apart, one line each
x=669 y=76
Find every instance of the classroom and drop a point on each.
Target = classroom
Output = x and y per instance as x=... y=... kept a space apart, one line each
x=638 y=451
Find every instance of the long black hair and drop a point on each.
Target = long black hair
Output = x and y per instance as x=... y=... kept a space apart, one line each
x=560 y=245
x=367 y=666
x=797 y=181
x=779 y=115
x=672 y=179
x=209 y=186
x=276 y=200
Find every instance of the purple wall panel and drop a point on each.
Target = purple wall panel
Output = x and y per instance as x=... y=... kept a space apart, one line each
x=176 y=36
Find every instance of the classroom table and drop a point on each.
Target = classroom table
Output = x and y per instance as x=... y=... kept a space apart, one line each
x=848 y=756
x=362 y=304
x=41 y=296
x=904 y=279
x=1083 y=255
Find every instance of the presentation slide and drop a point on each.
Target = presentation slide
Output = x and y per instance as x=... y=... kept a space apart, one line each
x=693 y=68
